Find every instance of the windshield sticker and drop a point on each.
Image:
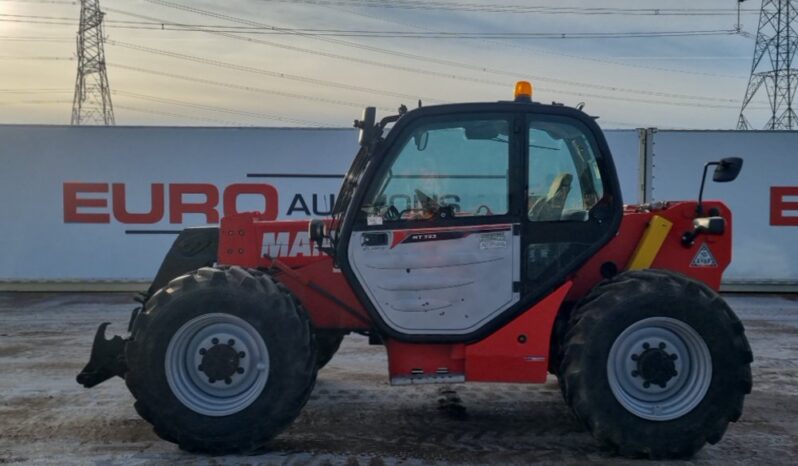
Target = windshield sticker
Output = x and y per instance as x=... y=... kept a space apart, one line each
x=373 y=220
x=492 y=241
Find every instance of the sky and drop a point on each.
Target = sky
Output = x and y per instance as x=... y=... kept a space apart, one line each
x=233 y=77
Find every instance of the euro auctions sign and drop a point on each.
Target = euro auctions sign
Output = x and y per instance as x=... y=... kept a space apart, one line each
x=106 y=203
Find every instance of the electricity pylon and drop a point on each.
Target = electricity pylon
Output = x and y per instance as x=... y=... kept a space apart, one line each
x=92 y=101
x=772 y=70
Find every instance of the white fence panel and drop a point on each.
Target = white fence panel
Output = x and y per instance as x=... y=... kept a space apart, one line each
x=764 y=199
x=65 y=217
x=625 y=147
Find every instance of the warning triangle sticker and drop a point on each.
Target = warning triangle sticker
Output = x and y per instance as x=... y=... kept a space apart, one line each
x=704 y=258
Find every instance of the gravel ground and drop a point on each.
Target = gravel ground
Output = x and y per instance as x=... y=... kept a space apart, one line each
x=354 y=417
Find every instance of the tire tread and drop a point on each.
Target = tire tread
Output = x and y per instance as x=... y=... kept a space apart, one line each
x=607 y=296
x=253 y=436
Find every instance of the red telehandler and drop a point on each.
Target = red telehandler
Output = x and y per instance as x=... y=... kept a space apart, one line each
x=478 y=242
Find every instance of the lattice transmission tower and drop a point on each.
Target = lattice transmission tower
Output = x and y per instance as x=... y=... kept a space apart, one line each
x=772 y=67
x=92 y=101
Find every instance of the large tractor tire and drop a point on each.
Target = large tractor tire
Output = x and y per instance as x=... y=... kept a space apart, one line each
x=221 y=360
x=327 y=344
x=655 y=364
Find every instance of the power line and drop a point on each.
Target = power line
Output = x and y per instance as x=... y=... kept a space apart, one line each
x=35 y=21
x=449 y=63
x=241 y=87
x=32 y=57
x=52 y=2
x=581 y=94
x=270 y=30
x=365 y=61
x=560 y=91
x=608 y=61
x=484 y=8
x=180 y=115
x=227 y=65
x=516 y=9
x=351 y=59
x=34 y=91
x=592 y=59
x=35 y=39
x=411 y=56
x=350 y=104
x=234 y=19
x=59 y=18
x=36 y=102
x=170 y=101
x=265 y=72
x=360 y=105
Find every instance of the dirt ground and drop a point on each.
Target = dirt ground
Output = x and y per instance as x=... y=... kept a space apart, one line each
x=354 y=417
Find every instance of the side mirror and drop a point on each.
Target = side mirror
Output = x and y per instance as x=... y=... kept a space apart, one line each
x=366 y=125
x=727 y=169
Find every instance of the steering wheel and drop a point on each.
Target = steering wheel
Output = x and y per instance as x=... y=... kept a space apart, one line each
x=392 y=214
x=487 y=210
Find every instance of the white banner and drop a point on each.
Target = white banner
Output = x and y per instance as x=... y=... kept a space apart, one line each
x=99 y=203
x=763 y=200
x=104 y=203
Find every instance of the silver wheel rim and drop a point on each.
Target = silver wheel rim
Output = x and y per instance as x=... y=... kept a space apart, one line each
x=645 y=348
x=208 y=339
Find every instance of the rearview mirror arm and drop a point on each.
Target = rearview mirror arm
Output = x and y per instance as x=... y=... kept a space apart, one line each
x=699 y=209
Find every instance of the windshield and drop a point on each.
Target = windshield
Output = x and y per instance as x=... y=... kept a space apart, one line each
x=450 y=166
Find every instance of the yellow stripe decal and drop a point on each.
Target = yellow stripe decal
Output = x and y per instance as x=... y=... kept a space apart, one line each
x=650 y=243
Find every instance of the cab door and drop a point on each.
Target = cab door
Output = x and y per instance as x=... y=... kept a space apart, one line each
x=435 y=245
x=573 y=204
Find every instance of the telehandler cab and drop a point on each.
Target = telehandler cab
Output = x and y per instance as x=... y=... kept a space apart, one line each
x=479 y=242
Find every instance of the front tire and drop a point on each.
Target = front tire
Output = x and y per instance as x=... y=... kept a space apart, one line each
x=655 y=364
x=221 y=360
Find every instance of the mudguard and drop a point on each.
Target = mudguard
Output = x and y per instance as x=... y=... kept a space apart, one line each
x=194 y=248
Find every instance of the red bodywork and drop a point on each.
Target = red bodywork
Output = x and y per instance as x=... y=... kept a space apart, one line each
x=518 y=351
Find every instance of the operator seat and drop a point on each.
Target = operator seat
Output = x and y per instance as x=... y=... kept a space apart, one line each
x=550 y=208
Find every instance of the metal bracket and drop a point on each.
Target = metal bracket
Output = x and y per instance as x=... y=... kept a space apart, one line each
x=107 y=359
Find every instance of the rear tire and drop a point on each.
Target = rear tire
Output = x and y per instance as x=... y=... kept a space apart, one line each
x=655 y=364
x=221 y=360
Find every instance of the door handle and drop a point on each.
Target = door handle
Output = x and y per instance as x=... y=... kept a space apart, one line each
x=374 y=239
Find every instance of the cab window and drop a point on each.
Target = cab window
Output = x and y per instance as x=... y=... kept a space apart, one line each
x=444 y=168
x=564 y=179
